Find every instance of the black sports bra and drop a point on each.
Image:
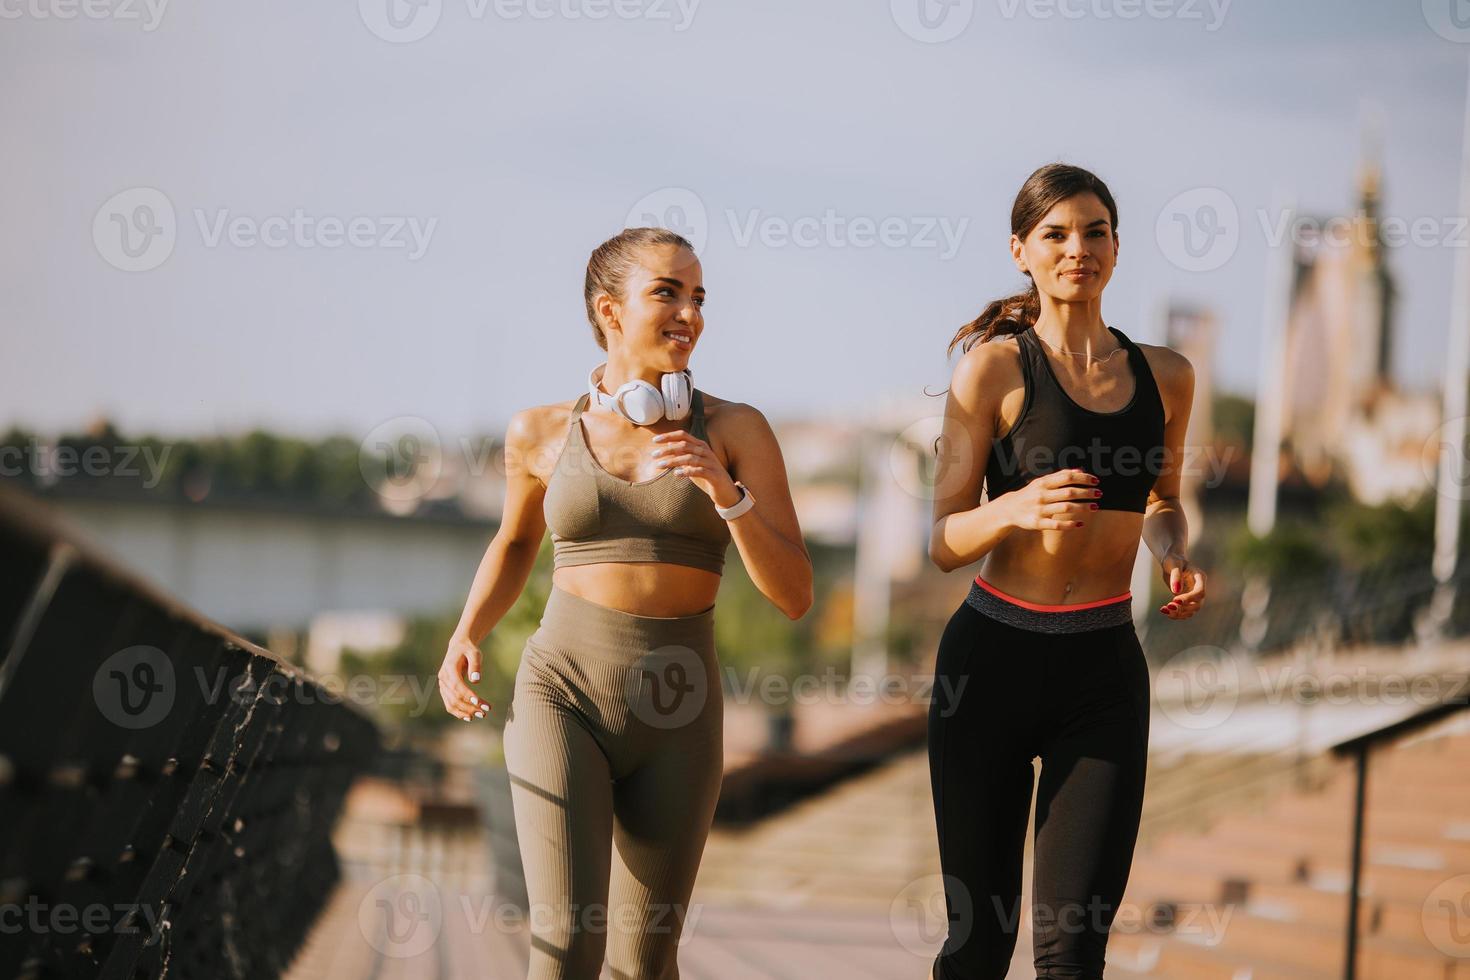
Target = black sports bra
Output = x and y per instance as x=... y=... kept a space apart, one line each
x=1124 y=449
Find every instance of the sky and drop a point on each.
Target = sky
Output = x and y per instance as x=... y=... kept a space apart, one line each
x=319 y=217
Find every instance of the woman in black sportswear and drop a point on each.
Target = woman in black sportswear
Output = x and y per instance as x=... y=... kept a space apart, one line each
x=1076 y=431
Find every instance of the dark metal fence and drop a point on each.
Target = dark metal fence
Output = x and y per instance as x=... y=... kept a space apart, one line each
x=1340 y=608
x=1358 y=749
x=167 y=789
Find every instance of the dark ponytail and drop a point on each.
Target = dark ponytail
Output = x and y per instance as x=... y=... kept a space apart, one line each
x=1010 y=315
x=1047 y=187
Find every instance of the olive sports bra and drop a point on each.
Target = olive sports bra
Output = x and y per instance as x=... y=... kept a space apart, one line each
x=597 y=517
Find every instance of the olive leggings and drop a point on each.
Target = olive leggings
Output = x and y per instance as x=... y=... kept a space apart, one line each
x=613 y=743
x=1021 y=680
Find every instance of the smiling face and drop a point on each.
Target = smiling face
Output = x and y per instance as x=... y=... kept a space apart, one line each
x=1072 y=251
x=658 y=319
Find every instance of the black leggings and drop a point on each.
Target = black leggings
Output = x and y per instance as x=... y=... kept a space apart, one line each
x=1015 y=680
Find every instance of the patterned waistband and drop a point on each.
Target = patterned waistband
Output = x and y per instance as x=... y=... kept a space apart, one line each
x=1042 y=618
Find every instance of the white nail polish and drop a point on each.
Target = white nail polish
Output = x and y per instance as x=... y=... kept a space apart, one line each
x=474 y=700
x=475 y=676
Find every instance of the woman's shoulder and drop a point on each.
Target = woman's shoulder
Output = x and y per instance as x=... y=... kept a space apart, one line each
x=1170 y=368
x=725 y=407
x=989 y=366
x=540 y=423
x=731 y=416
x=1173 y=377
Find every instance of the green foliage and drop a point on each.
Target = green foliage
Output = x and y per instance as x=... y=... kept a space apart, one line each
x=508 y=639
x=258 y=464
x=1293 y=550
x=1383 y=535
x=418 y=657
x=1234 y=420
x=1348 y=535
x=751 y=632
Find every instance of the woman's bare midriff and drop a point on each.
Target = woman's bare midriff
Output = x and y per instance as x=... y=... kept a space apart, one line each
x=1067 y=565
x=642 y=588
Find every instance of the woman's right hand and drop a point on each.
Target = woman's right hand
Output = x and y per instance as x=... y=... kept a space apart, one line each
x=461 y=666
x=1051 y=502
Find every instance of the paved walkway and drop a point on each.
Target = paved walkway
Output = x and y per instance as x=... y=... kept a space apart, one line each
x=844 y=884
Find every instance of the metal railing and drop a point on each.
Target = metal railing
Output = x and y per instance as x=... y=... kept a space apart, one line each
x=1358 y=748
x=1378 y=606
x=167 y=789
x=1330 y=614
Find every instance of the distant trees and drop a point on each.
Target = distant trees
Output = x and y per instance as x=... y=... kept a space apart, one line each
x=256 y=465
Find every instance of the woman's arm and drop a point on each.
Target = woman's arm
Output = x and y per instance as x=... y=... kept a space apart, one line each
x=965 y=530
x=503 y=570
x=1165 y=527
x=768 y=535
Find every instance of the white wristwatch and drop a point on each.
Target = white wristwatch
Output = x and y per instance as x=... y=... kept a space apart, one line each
x=740 y=506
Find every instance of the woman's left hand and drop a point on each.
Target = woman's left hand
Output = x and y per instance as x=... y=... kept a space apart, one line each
x=693 y=457
x=1185 y=583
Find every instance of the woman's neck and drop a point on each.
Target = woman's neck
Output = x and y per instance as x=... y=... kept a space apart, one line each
x=620 y=371
x=1075 y=327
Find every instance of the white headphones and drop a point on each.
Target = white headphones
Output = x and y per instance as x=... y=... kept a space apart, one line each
x=640 y=402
